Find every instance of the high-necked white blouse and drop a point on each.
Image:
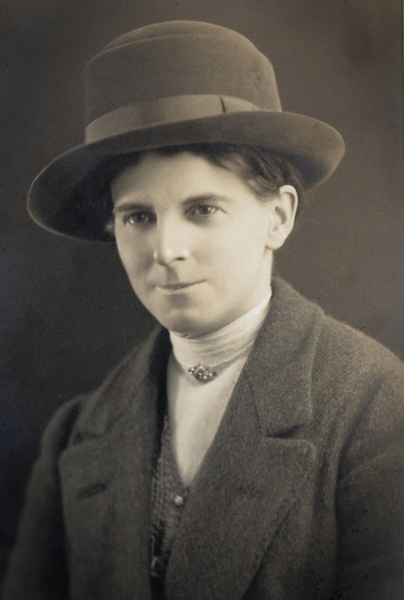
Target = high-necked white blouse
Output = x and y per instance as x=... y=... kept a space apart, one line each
x=195 y=408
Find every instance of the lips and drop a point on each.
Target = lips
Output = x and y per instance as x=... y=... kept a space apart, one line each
x=177 y=287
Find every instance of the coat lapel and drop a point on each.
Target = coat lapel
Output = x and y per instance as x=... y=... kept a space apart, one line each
x=106 y=485
x=257 y=467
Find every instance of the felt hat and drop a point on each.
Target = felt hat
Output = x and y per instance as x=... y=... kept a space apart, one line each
x=168 y=84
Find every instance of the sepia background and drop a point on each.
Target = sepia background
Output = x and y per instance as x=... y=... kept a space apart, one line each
x=67 y=313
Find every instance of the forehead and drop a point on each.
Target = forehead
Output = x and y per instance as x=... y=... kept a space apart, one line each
x=156 y=176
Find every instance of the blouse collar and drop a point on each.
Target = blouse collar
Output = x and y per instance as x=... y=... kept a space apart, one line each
x=222 y=347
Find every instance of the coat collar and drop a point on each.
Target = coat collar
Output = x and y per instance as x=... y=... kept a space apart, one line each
x=279 y=369
x=247 y=483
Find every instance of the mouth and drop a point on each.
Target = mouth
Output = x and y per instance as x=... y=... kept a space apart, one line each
x=177 y=287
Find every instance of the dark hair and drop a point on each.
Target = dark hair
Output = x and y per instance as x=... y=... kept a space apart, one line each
x=264 y=171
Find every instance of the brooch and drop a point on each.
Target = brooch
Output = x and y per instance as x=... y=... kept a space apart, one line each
x=202 y=374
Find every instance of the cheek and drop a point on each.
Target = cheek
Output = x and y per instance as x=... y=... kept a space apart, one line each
x=232 y=270
x=123 y=252
x=133 y=256
x=242 y=248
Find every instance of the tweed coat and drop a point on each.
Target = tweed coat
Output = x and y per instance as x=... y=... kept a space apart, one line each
x=299 y=497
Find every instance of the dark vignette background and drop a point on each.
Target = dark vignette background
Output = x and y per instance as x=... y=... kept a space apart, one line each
x=67 y=312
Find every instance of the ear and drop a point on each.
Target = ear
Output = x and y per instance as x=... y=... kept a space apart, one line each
x=282 y=212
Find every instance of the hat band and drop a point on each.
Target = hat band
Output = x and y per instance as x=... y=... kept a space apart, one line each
x=164 y=110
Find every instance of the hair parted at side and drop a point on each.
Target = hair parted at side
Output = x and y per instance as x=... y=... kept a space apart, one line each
x=264 y=172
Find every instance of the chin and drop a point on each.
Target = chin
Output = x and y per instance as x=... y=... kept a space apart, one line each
x=186 y=325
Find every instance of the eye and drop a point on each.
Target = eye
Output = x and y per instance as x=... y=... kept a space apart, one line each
x=138 y=217
x=202 y=210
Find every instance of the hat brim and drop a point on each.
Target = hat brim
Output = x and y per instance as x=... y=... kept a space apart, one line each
x=64 y=197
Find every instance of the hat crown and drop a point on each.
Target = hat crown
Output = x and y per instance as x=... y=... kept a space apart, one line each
x=172 y=28
x=178 y=58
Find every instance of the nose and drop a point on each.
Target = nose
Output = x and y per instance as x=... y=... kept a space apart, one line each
x=171 y=243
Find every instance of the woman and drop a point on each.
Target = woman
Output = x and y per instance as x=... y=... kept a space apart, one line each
x=252 y=446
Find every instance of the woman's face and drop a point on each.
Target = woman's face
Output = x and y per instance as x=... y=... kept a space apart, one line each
x=193 y=239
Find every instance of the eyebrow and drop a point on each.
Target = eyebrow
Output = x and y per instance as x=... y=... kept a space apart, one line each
x=128 y=205
x=214 y=198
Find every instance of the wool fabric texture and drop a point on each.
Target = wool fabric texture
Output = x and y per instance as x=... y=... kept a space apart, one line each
x=299 y=496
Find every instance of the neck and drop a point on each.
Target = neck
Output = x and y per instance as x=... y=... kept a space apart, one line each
x=224 y=345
